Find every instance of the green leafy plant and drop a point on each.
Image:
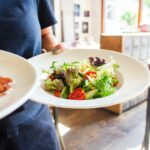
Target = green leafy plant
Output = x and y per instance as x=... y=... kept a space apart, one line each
x=147 y=3
x=129 y=17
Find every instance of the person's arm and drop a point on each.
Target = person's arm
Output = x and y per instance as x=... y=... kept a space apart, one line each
x=49 y=41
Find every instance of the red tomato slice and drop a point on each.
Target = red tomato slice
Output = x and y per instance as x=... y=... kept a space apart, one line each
x=4 y=80
x=77 y=94
x=91 y=74
x=2 y=88
x=4 y=85
x=57 y=93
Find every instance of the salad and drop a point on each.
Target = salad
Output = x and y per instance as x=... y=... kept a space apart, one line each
x=89 y=79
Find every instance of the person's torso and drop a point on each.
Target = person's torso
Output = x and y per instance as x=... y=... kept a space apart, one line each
x=20 y=31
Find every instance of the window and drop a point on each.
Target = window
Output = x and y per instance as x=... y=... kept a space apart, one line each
x=146 y=12
x=125 y=15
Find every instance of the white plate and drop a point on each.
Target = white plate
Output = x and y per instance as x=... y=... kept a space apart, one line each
x=135 y=78
x=25 y=79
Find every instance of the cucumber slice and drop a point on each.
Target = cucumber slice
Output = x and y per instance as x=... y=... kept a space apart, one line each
x=71 y=88
x=64 y=93
x=90 y=94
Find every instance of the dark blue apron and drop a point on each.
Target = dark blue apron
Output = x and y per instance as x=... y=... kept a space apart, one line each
x=30 y=127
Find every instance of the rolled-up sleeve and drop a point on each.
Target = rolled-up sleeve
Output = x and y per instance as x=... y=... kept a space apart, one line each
x=46 y=13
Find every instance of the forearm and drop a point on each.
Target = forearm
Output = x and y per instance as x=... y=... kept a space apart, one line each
x=48 y=39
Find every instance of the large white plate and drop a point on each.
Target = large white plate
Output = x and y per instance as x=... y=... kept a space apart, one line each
x=135 y=78
x=25 y=79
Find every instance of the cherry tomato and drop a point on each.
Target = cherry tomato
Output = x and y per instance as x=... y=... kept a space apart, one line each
x=77 y=94
x=115 y=84
x=92 y=74
x=57 y=93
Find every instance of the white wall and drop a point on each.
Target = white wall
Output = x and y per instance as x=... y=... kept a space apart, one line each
x=94 y=6
x=67 y=6
x=57 y=11
x=68 y=21
x=95 y=19
x=85 y=5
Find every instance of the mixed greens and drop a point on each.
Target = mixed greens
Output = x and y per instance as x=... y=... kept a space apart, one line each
x=89 y=79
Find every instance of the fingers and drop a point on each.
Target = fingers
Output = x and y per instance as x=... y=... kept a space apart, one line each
x=43 y=50
x=58 y=49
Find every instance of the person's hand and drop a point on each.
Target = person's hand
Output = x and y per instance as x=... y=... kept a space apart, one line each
x=58 y=48
x=50 y=43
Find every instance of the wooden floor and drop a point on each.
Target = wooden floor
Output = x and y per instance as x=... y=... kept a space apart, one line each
x=97 y=129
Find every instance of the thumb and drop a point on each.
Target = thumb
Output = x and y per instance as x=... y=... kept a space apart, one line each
x=43 y=50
